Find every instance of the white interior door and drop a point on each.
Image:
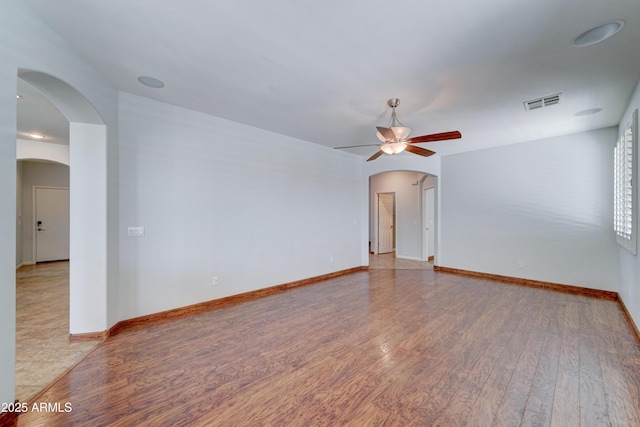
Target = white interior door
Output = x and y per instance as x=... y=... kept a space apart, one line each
x=385 y=222
x=51 y=224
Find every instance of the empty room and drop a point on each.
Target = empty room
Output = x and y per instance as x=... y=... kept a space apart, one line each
x=283 y=213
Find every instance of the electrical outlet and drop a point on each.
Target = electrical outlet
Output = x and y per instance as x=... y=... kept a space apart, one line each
x=215 y=281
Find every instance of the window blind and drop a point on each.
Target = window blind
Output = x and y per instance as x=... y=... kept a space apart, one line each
x=625 y=173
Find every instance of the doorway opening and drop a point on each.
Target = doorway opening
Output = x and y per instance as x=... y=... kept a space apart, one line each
x=428 y=224
x=56 y=299
x=386 y=223
x=402 y=214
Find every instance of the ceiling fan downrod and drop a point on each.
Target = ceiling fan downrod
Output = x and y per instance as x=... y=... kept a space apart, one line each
x=393 y=103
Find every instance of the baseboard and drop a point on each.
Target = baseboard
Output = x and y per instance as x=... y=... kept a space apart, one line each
x=181 y=312
x=202 y=307
x=632 y=324
x=22 y=264
x=596 y=293
x=89 y=336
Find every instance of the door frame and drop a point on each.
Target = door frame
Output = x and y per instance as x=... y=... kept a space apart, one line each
x=376 y=250
x=425 y=222
x=34 y=212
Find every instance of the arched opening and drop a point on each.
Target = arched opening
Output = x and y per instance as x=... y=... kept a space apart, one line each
x=85 y=159
x=412 y=202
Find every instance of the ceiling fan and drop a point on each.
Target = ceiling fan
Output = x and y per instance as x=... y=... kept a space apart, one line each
x=395 y=138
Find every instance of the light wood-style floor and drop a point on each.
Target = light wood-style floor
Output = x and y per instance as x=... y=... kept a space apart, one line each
x=379 y=347
x=43 y=350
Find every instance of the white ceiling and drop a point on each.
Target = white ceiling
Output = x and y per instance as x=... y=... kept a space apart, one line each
x=322 y=71
x=36 y=114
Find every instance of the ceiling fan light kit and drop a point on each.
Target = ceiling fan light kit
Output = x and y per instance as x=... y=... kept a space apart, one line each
x=400 y=132
x=395 y=138
x=393 y=147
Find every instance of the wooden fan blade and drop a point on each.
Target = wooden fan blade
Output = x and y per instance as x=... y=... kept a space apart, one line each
x=375 y=156
x=354 y=146
x=419 y=151
x=435 y=137
x=386 y=132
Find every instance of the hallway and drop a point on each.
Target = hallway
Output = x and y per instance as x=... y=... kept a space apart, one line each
x=43 y=350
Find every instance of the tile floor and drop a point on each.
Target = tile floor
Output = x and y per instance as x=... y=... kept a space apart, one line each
x=389 y=261
x=43 y=350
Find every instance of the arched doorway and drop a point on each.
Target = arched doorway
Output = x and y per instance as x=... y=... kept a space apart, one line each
x=88 y=202
x=414 y=222
x=66 y=288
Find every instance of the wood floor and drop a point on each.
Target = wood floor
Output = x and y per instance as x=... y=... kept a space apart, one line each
x=379 y=347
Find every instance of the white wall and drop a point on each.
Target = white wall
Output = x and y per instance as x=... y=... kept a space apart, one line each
x=88 y=211
x=33 y=150
x=629 y=266
x=407 y=187
x=545 y=203
x=7 y=230
x=26 y=43
x=30 y=150
x=252 y=207
x=40 y=174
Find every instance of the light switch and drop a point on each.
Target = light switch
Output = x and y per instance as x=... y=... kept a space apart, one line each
x=135 y=232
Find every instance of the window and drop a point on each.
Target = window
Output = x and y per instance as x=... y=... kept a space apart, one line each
x=625 y=175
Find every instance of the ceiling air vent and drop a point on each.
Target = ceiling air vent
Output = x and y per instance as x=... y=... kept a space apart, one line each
x=546 y=101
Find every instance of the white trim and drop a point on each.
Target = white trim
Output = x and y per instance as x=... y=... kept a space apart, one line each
x=22 y=264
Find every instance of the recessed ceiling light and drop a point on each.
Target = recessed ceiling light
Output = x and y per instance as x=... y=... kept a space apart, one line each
x=151 y=82
x=598 y=34
x=588 y=112
x=36 y=136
